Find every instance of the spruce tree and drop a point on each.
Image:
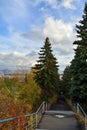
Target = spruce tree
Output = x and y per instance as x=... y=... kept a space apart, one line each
x=79 y=63
x=46 y=69
x=66 y=81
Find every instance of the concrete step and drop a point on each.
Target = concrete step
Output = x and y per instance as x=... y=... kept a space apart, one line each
x=41 y=129
x=69 y=113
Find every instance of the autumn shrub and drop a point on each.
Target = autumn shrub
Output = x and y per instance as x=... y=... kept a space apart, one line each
x=18 y=98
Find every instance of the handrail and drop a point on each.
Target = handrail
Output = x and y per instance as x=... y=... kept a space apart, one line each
x=40 y=106
x=32 y=119
x=36 y=111
x=37 y=115
x=8 y=119
x=81 y=109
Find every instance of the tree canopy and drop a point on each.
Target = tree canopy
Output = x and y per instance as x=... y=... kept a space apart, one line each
x=79 y=63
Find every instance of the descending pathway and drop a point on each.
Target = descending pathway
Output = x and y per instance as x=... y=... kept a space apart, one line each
x=59 y=117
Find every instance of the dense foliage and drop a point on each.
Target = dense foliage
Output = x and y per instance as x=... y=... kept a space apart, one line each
x=46 y=70
x=79 y=63
x=66 y=82
x=18 y=97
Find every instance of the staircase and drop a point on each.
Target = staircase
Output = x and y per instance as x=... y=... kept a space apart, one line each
x=59 y=117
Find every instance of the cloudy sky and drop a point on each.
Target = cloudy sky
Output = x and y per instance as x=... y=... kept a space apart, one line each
x=24 y=25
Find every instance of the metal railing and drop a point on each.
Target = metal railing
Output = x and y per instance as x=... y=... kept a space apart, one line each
x=34 y=118
x=82 y=115
x=30 y=121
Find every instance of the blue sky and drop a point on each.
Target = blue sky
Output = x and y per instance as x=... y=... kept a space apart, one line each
x=24 y=25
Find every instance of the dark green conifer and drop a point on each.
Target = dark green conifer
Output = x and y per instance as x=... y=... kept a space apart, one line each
x=46 y=69
x=66 y=81
x=79 y=63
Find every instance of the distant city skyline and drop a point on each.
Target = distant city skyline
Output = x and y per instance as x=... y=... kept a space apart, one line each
x=24 y=25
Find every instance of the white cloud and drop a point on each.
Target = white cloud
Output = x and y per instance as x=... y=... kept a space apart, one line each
x=61 y=33
x=15 y=42
x=15 y=50
x=64 y=61
x=17 y=59
x=68 y=4
x=35 y=35
x=55 y=4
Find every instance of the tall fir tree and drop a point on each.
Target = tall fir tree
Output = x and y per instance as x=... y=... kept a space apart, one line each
x=79 y=63
x=46 y=69
x=66 y=81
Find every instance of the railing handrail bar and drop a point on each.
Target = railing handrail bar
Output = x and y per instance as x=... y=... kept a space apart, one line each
x=27 y=115
x=82 y=109
x=40 y=107
x=36 y=111
x=8 y=119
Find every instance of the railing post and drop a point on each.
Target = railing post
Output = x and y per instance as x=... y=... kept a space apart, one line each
x=43 y=108
x=85 y=123
x=36 y=120
x=77 y=109
x=46 y=106
x=18 y=122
